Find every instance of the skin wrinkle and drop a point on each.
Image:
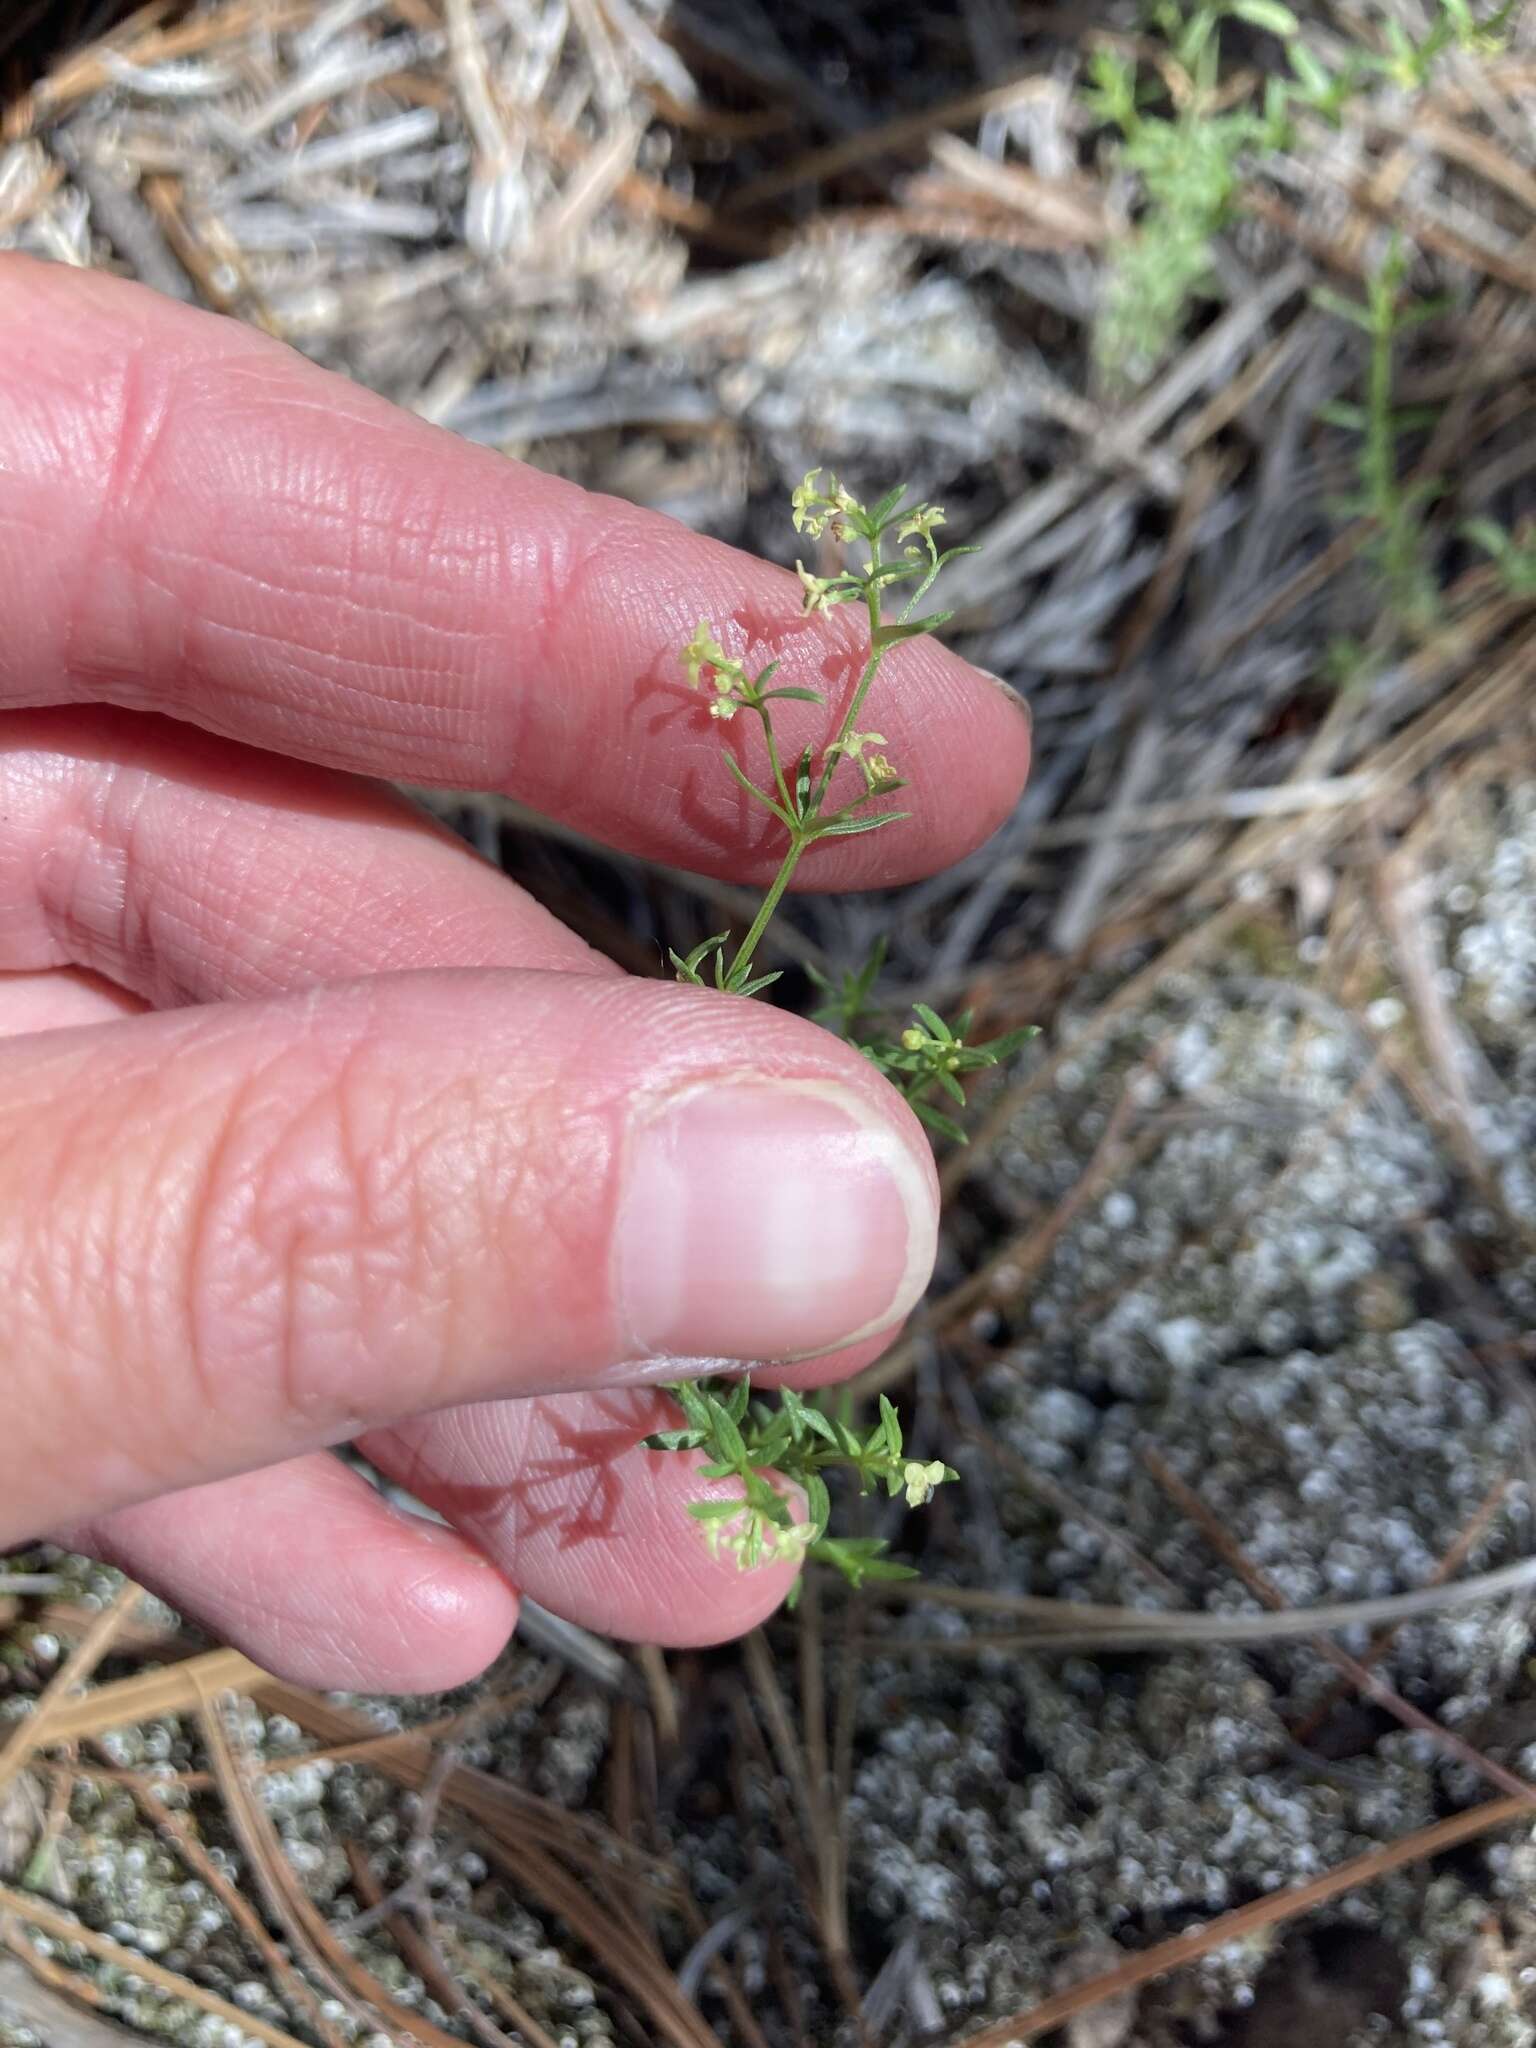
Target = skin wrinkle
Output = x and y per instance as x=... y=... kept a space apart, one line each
x=35 y=1292
x=557 y=564
x=367 y=505
x=249 y=655
x=60 y=848
x=300 y=1325
x=394 y=1174
x=121 y=799
x=371 y=1238
x=101 y=845
x=95 y=1262
x=143 y=403
x=201 y=1258
x=325 y=671
x=241 y=896
x=236 y=895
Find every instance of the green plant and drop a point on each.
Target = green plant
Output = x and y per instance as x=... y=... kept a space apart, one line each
x=1399 y=543
x=1513 y=554
x=1410 y=63
x=1190 y=161
x=1191 y=151
x=789 y=1437
x=800 y=797
x=796 y=1439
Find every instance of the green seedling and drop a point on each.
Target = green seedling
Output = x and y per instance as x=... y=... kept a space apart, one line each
x=1399 y=547
x=1513 y=554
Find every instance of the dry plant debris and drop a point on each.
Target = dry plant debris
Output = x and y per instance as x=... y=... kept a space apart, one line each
x=1241 y=1261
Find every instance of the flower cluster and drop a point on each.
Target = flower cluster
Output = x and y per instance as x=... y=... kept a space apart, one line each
x=832 y=509
x=815 y=509
x=880 y=778
x=710 y=667
x=799 y=1442
x=771 y=1449
x=932 y=1054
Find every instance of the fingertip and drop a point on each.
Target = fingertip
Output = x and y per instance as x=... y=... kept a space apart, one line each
x=571 y=1506
x=317 y=1578
x=832 y=1367
x=453 y=1614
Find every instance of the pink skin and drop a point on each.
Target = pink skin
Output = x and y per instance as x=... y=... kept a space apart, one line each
x=193 y=521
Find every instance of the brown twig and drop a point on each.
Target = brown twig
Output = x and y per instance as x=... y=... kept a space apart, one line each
x=1244 y=1922
x=178 y=1830
x=419 y=1948
x=1466 y=1542
x=1364 y=1680
x=45 y=1724
x=61 y=1926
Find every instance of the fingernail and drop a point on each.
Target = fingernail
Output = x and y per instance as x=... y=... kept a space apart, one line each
x=1015 y=697
x=769 y=1219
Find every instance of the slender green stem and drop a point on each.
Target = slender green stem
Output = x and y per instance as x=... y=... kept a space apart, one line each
x=1379 y=449
x=926 y=584
x=773 y=759
x=768 y=906
x=809 y=813
x=856 y=702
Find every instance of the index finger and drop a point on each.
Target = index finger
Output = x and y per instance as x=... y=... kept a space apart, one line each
x=195 y=520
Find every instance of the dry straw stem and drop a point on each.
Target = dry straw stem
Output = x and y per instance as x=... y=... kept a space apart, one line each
x=564 y=1862
x=178 y=1830
x=1246 y=1921
x=38 y=1994
x=1360 y=1677
x=1283 y=1906
x=1467 y=713
x=291 y=1907
x=531 y=1842
x=419 y=1946
x=27 y=1910
x=1452 y=1562
x=1074 y=1626
x=42 y=1726
x=897 y=135
x=142 y=42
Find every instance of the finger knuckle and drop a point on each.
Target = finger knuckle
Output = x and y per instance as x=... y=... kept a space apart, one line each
x=320 y=1254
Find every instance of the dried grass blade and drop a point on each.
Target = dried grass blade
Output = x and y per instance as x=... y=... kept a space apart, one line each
x=61 y=1926
x=291 y=1906
x=41 y=1726
x=1245 y=1921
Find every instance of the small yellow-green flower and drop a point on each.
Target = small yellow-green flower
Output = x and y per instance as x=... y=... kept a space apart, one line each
x=701 y=652
x=709 y=666
x=753 y=1539
x=815 y=510
x=920 y=522
x=878 y=770
x=809 y=506
x=855 y=744
x=922 y=1480
x=817 y=589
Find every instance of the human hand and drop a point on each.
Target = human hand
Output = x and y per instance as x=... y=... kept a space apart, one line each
x=313 y=1127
